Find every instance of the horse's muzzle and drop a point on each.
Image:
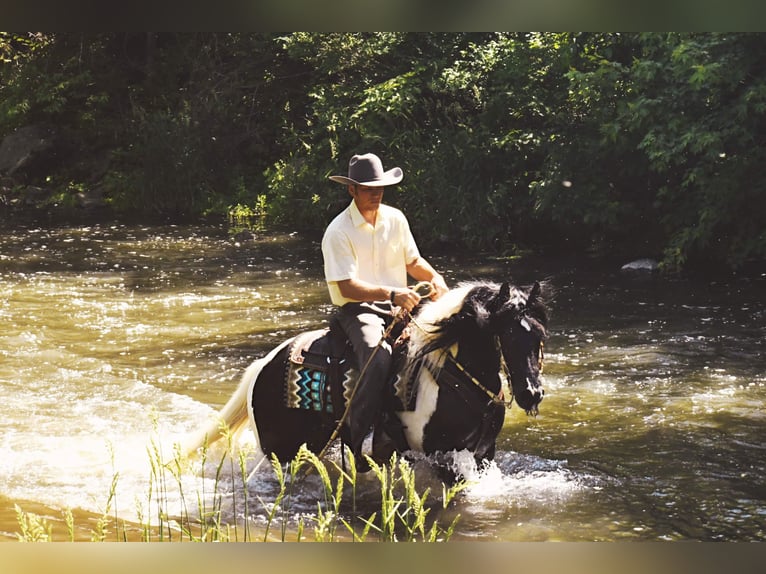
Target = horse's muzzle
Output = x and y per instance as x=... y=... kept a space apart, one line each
x=531 y=397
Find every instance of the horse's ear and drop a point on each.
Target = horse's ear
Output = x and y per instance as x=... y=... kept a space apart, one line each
x=505 y=292
x=503 y=295
x=534 y=293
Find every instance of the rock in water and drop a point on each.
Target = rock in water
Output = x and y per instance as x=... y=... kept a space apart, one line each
x=649 y=265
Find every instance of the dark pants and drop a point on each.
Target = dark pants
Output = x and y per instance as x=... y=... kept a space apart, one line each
x=364 y=325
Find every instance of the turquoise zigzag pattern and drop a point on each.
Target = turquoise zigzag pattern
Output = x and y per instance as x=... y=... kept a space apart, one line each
x=311 y=390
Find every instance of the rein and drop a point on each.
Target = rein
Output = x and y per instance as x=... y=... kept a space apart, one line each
x=496 y=398
x=425 y=290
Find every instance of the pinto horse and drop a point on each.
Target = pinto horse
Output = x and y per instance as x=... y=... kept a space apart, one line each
x=446 y=392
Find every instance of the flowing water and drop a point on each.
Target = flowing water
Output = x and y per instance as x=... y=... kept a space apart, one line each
x=119 y=340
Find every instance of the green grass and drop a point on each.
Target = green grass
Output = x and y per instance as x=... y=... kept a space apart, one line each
x=403 y=513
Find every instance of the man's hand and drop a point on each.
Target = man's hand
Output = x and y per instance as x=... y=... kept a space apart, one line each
x=439 y=287
x=421 y=270
x=406 y=298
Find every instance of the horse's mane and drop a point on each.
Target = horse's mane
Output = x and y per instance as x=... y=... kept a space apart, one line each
x=470 y=307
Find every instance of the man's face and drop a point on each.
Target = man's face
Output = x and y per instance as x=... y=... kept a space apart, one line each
x=367 y=198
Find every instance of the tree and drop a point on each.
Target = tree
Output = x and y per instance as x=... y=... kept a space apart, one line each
x=637 y=144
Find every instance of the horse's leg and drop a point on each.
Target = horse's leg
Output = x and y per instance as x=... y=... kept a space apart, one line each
x=488 y=456
x=383 y=446
x=388 y=437
x=484 y=450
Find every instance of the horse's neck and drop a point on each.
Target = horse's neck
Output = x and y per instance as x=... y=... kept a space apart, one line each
x=480 y=356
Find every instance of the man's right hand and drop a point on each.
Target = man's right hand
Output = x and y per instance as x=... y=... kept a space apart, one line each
x=406 y=298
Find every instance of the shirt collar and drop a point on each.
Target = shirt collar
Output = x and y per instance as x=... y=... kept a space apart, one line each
x=356 y=216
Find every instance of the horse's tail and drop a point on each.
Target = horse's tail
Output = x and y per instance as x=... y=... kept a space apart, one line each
x=232 y=417
x=235 y=413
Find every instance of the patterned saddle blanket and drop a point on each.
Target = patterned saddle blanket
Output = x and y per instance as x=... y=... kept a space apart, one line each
x=321 y=373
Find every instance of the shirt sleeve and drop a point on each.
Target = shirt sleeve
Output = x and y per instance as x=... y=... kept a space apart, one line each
x=340 y=260
x=411 y=251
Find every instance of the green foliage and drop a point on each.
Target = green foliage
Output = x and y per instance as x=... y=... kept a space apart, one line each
x=637 y=143
x=404 y=509
x=33 y=527
x=666 y=131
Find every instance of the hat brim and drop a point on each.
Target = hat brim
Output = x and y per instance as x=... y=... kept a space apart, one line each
x=390 y=177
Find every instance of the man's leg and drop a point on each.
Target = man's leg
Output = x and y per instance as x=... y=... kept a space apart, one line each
x=364 y=326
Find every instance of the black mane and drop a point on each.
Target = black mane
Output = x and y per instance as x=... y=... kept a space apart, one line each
x=476 y=309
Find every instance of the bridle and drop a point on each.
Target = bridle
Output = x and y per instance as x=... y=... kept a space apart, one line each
x=495 y=398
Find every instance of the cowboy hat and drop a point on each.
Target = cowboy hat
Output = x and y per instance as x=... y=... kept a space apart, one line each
x=367 y=170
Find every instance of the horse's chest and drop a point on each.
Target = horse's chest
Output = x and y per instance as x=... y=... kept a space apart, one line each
x=449 y=414
x=415 y=421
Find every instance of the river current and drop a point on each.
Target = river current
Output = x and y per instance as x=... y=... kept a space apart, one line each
x=120 y=339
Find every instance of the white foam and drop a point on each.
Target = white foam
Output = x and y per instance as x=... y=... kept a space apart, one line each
x=70 y=461
x=514 y=479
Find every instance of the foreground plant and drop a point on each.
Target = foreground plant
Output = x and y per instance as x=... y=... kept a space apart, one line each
x=404 y=513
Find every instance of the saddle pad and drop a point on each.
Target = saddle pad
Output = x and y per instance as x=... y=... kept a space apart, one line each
x=316 y=380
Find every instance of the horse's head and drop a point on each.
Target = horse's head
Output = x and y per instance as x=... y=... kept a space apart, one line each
x=519 y=318
x=516 y=317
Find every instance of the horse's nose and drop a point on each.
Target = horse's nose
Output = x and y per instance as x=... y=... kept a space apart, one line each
x=534 y=388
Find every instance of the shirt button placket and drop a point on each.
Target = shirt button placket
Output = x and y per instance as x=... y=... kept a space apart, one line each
x=375 y=258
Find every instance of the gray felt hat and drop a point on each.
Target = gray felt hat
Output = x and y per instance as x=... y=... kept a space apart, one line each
x=367 y=170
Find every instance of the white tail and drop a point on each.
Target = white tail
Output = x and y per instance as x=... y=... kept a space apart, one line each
x=236 y=412
x=232 y=416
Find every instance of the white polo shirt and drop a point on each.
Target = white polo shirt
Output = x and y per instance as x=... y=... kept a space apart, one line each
x=354 y=249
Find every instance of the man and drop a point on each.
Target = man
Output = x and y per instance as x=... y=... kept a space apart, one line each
x=368 y=252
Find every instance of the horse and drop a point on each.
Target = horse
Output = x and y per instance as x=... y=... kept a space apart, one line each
x=446 y=392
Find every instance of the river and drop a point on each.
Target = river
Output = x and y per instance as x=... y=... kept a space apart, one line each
x=119 y=337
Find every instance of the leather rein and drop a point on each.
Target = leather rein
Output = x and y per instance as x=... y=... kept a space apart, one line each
x=495 y=397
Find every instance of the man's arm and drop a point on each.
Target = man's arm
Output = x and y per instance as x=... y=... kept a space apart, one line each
x=363 y=291
x=419 y=269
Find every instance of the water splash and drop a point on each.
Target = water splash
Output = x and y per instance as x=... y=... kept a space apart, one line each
x=518 y=480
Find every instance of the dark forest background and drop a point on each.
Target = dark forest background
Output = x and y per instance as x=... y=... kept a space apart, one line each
x=629 y=144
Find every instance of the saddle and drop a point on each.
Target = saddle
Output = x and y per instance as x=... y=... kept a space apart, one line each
x=321 y=371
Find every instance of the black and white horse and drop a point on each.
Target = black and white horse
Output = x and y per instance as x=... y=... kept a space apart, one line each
x=446 y=394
